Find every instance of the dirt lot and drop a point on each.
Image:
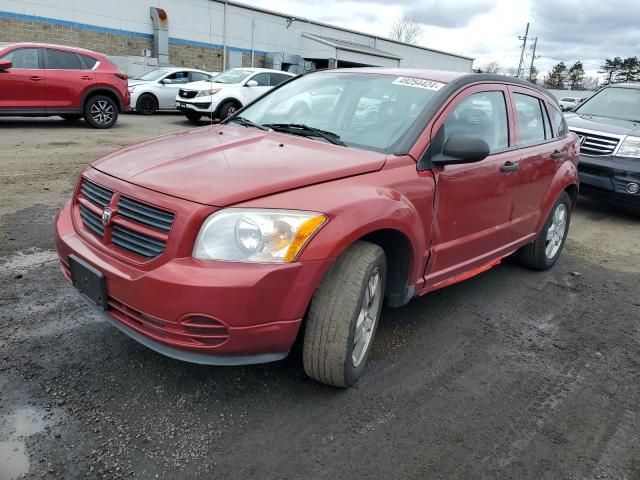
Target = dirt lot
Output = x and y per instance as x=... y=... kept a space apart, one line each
x=512 y=374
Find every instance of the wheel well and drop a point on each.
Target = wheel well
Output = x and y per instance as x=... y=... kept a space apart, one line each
x=397 y=249
x=572 y=190
x=102 y=91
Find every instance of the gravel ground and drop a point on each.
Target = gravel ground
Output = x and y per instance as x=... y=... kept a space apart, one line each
x=512 y=374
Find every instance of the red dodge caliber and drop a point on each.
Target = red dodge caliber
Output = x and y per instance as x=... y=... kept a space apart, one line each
x=219 y=245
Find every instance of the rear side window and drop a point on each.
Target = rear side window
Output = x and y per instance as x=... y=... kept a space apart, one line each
x=530 y=117
x=89 y=62
x=278 y=78
x=26 y=58
x=198 y=77
x=482 y=115
x=61 y=60
x=559 y=122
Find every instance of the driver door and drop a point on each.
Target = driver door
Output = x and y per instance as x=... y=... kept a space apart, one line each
x=169 y=90
x=473 y=201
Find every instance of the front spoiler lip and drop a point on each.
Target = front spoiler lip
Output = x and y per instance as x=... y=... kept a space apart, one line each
x=184 y=355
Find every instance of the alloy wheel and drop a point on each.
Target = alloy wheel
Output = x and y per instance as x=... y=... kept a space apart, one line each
x=102 y=112
x=367 y=317
x=557 y=230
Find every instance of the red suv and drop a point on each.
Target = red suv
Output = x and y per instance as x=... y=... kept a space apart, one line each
x=39 y=80
x=218 y=245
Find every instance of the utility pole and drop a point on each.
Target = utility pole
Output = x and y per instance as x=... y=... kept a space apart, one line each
x=533 y=57
x=524 y=44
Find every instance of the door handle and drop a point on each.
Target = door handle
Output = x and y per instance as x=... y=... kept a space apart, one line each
x=557 y=155
x=86 y=77
x=510 y=167
x=36 y=78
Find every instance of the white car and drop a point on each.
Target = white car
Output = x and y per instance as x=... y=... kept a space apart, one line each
x=157 y=89
x=228 y=92
x=567 y=103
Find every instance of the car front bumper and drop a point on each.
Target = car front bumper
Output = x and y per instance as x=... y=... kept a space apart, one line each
x=610 y=178
x=203 y=105
x=255 y=309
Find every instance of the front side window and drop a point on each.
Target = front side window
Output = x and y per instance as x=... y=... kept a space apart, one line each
x=370 y=111
x=482 y=115
x=559 y=122
x=262 y=79
x=529 y=115
x=178 y=77
x=26 y=58
x=61 y=60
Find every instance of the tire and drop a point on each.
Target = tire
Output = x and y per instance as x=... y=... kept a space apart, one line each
x=546 y=249
x=227 y=109
x=147 y=104
x=101 y=111
x=72 y=117
x=193 y=117
x=329 y=352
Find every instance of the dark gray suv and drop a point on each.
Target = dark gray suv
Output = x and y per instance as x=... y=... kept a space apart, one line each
x=608 y=125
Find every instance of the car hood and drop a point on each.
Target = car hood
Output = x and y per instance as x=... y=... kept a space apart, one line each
x=133 y=83
x=223 y=165
x=602 y=124
x=202 y=85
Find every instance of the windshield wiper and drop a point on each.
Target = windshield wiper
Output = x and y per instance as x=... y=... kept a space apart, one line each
x=306 y=131
x=247 y=123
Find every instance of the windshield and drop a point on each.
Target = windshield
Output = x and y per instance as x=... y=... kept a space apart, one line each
x=153 y=75
x=232 y=76
x=370 y=111
x=613 y=102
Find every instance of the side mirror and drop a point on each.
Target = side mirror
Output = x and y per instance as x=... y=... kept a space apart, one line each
x=251 y=83
x=5 y=64
x=461 y=149
x=167 y=81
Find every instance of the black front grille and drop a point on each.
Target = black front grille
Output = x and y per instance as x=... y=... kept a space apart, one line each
x=137 y=242
x=187 y=93
x=145 y=214
x=596 y=144
x=95 y=193
x=91 y=221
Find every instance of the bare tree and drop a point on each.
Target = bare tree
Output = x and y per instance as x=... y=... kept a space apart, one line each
x=406 y=30
x=491 y=67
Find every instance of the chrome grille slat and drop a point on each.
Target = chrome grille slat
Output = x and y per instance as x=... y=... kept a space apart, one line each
x=91 y=221
x=145 y=214
x=596 y=144
x=96 y=194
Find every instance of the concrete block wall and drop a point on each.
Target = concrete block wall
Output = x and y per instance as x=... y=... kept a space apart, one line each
x=181 y=54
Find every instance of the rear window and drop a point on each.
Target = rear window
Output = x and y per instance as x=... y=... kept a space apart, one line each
x=89 y=62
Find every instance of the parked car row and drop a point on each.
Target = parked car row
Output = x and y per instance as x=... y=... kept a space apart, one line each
x=39 y=79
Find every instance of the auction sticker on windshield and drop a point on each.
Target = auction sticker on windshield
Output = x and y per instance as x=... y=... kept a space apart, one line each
x=418 y=83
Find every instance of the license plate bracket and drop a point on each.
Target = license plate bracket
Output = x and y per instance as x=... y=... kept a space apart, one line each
x=88 y=281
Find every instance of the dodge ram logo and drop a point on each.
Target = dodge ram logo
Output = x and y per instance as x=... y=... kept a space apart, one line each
x=106 y=217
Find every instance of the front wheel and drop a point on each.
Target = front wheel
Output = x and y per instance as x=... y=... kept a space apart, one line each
x=193 y=117
x=101 y=112
x=546 y=249
x=146 y=104
x=227 y=109
x=343 y=316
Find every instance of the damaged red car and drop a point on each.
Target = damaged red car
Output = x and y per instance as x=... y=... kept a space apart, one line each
x=223 y=244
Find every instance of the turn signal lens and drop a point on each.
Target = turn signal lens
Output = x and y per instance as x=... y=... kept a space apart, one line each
x=304 y=233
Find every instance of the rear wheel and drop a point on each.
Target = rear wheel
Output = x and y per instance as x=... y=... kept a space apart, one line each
x=343 y=316
x=72 y=117
x=193 y=116
x=546 y=249
x=101 y=112
x=227 y=109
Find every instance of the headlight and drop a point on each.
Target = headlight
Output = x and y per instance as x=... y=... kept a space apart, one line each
x=630 y=147
x=207 y=93
x=256 y=235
